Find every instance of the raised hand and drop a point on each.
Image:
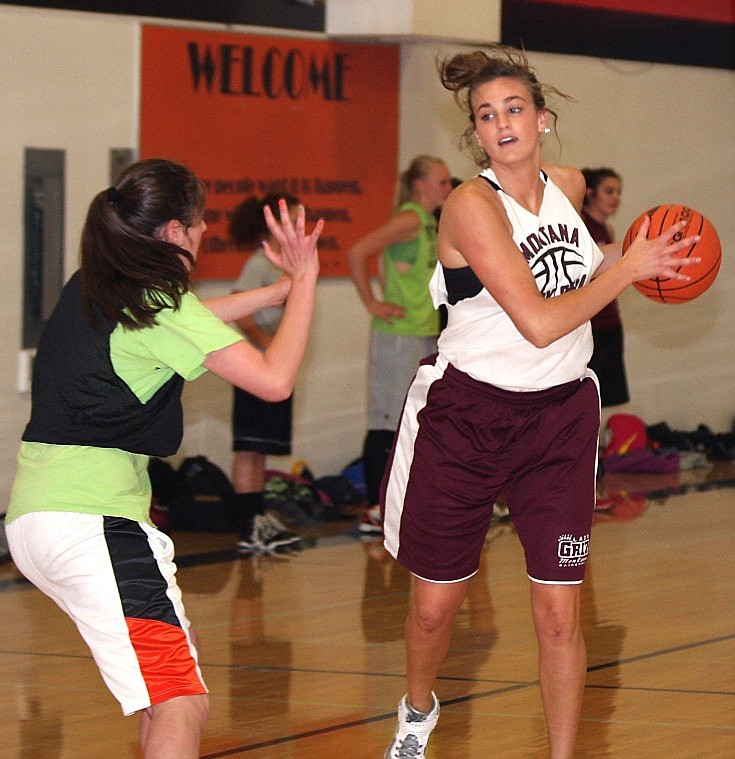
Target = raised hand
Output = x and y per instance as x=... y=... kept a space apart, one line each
x=298 y=251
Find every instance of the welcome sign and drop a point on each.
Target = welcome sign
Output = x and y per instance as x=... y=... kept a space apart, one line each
x=255 y=114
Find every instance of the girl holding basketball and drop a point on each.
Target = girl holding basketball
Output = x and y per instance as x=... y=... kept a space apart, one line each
x=507 y=404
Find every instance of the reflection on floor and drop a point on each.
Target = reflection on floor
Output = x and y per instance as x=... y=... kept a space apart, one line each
x=304 y=656
x=630 y=495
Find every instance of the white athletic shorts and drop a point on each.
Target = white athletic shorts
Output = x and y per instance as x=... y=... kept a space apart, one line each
x=116 y=579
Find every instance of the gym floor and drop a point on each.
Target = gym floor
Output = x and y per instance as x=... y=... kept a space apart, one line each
x=304 y=656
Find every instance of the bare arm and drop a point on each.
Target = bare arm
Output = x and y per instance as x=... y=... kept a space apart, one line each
x=475 y=231
x=402 y=227
x=271 y=375
x=613 y=253
x=231 y=308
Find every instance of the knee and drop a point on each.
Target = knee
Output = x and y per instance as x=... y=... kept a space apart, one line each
x=200 y=710
x=181 y=712
x=192 y=711
x=557 y=628
x=557 y=620
x=432 y=619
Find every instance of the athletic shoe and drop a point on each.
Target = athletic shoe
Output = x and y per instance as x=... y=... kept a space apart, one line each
x=266 y=534
x=412 y=732
x=278 y=528
x=371 y=521
x=500 y=511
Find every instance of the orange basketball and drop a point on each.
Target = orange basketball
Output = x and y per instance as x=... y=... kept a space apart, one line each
x=703 y=274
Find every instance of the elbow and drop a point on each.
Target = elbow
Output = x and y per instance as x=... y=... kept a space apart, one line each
x=270 y=388
x=352 y=259
x=277 y=397
x=538 y=336
x=542 y=341
x=277 y=391
x=535 y=323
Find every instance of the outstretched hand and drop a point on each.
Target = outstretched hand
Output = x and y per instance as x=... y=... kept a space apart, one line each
x=657 y=257
x=298 y=254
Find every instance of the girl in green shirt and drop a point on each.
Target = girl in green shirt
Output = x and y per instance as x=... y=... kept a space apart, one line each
x=109 y=370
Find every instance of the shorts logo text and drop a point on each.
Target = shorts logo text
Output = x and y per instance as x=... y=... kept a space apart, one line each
x=572 y=551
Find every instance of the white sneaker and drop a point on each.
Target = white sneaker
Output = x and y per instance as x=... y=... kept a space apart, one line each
x=500 y=512
x=371 y=523
x=266 y=533
x=412 y=732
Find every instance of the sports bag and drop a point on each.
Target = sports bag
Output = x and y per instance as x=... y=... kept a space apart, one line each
x=203 y=499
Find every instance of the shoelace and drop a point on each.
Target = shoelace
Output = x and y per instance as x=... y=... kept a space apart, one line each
x=410 y=748
x=270 y=527
x=275 y=523
x=264 y=527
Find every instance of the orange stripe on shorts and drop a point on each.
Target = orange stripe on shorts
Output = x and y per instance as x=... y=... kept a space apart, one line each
x=165 y=659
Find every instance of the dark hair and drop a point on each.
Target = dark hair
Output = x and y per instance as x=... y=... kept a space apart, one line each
x=463 y=73
x=247 y=223
x=456 y=182
x=128 y=272
x=594 y=177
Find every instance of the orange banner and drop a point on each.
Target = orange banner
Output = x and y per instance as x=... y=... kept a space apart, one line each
x=254 y=114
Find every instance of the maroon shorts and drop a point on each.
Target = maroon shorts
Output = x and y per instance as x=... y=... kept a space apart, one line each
x=461 y=443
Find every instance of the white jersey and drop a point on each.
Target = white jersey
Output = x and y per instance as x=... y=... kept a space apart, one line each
x=481 y=340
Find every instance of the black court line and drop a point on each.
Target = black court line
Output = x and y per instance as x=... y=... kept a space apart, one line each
x=684 y=489
x=681 y=691
x=213 y=557
x=509 y=683
x=353 y=723
x=508 y=688
x=221 y=556
x=662 y=652
x=44 y=654
x=210 y=557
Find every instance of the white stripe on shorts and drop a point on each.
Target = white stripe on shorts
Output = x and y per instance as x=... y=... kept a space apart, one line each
x=400 y=469
x=65 y=555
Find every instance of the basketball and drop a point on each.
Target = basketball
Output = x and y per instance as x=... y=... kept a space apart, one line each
x=703 y=274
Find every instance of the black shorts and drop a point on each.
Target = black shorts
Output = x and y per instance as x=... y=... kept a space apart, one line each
x=461 y=443
x=261 y=426
x=607 y=363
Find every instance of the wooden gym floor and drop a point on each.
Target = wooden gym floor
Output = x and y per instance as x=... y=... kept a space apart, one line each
x=304 y=655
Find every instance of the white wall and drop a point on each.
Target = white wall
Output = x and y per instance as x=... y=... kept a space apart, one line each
x=69 y=80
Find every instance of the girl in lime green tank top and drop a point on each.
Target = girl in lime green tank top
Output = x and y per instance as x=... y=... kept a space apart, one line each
x=404 y=321
x=407 y=269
